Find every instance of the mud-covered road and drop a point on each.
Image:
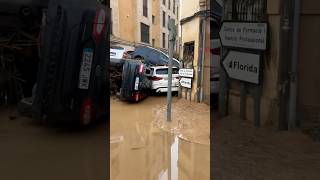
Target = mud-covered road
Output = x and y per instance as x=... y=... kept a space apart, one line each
x=30 y=150
x=142 y=148
x=243 y=152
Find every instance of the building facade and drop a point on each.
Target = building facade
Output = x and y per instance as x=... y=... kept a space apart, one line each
x=195 y=49
x=142 y=22
x=283 y=86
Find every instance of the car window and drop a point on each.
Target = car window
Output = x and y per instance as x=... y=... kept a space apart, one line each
x=175 y=71
x=148 y=71
x=165 y=71
x=163 y=58
x=117 y=47
x=151 y=71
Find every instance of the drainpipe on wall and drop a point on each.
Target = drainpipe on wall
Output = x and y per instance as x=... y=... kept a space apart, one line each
x=200 y=60
x=203 y=58
x=283 y=80
x=294 y=66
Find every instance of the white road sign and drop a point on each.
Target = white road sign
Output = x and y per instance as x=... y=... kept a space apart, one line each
x=186 y=73
x=186 y=82
x=244 y=35
x=243 y=66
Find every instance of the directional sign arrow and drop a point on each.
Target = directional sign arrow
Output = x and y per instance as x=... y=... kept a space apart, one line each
x=186 y=82
x=244 y=35
x=243 y=66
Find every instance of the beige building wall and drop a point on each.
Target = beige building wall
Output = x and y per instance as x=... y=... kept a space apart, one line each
x=114 y=4
x=190 y=32
x=168 y=12
x=308 y=73
x=142 y=19
x=128 y=20
x=127 y=16
x=156 y=35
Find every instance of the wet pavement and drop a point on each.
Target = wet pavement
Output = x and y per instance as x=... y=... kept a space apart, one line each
x=143 y=147
x=29 y=150
x=243 y=152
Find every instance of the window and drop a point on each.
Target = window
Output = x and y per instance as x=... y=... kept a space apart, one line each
x=153 y=42
x=153 y=19
x=163 y=19
x=164 y=2
x=174 y=6
x=188 y=53
x=177 y=12
x=145 y=8
x=169 y=3
x=144 y=33
x=165 y=71
x=164 y=40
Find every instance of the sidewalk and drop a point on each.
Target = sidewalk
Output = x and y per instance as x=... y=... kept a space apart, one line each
x=241 y=151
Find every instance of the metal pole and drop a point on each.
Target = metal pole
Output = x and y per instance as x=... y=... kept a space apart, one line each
x=294 y=64
x=172 y=39
x=243 y=98
x=203 y=58
x=285 y=53
x=223 y=78
x=257 y=103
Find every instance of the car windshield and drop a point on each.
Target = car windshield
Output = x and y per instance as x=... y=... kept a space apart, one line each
x=163 y=58
x=165 y=71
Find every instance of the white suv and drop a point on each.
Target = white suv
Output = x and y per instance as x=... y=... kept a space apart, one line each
x=159 y=79
x=118 y=52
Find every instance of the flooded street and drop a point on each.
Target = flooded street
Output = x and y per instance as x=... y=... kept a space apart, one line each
x=30 y=150
x=241 y=152
x=144 y=147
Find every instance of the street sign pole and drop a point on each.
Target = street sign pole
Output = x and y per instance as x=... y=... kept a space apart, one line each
x=172 y=38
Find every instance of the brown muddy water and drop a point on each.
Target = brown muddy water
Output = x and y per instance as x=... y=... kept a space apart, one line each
x=30 y=150
x=145 y=147
x=243 y=152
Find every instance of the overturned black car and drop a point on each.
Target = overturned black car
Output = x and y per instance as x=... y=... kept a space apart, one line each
x=135 y=83
x=72 y=76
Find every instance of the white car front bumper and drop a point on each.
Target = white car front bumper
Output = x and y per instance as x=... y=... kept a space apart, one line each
x=164 y=89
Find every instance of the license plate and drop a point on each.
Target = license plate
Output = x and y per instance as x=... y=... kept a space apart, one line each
x=85 y=69
x=136 y=84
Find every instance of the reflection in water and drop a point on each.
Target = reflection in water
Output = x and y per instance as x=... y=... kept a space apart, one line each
x=174 y=159
x=163 y=175
x=142 y=151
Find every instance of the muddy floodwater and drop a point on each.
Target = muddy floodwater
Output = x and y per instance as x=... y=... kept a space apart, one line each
x=144 y=147
x=30 y=150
